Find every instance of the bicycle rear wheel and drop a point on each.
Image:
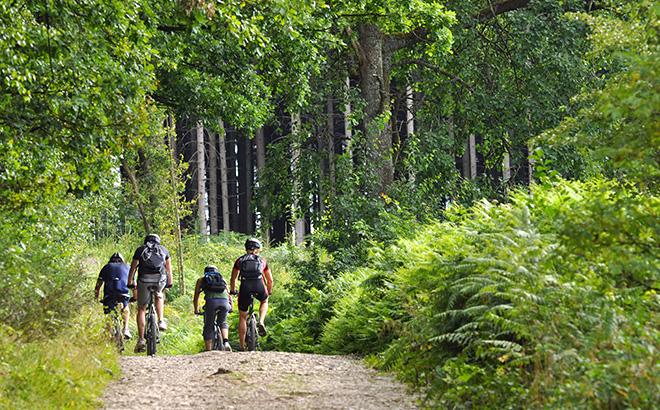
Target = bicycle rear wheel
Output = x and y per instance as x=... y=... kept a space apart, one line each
x=118 y=331
x=152 y=332
x=251 y=334
x=217 y=338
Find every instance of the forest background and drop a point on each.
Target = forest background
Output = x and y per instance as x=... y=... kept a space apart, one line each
x=464 y=192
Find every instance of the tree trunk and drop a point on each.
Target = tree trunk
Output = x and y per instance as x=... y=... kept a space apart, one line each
x=299 y=222
x=224 y=185
x=260 y=142
x=348 y=128
x=175 y=200
x=331 y=142
x=374 y=64
x=201 y=180
x=213 y=184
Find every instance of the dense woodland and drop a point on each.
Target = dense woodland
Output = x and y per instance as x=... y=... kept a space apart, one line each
x=464 y=191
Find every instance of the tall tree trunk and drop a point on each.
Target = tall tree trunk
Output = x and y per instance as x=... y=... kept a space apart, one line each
x=245 y=181
x=331 y=142
x=201 y=180
x=374 y=64
x=348 y=128
x=213 y=184
x=232 y=182
x=175 y=199
x=260 y=141
x=223 y=176
x=299 y=221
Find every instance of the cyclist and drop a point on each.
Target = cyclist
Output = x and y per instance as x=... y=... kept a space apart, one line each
x=114 y=278
x=218 y=302
x=253 y=270
x=152 y=262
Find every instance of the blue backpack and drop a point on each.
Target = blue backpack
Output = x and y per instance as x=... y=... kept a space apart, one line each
x=213 y=282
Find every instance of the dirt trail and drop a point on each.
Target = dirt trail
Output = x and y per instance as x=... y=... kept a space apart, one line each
x=248 y=380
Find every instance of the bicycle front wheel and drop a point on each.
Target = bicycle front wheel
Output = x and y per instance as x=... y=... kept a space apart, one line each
x=152 y=333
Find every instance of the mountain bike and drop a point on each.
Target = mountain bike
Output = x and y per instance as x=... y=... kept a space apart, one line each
x=151 y=331
x=116 y=327
x=251 y=335
x=217 y=334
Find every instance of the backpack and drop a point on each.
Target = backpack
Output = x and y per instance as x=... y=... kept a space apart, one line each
x=251 y=266
x=115 y=276
x=213 y=282
x=152 y=259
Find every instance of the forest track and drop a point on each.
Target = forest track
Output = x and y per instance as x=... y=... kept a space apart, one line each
x=248 y=380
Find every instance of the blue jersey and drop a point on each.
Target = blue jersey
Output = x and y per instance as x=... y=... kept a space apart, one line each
x=115 y=277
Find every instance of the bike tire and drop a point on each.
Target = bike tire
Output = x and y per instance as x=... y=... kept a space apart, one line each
x=118 y=332
x=251 y=334
x=217 y=338
x=152 y=332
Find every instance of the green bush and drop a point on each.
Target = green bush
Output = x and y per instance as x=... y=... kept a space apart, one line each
x=541 y=303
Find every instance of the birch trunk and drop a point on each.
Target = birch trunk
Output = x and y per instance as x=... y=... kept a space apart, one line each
x=201 y=180
x=224 y=185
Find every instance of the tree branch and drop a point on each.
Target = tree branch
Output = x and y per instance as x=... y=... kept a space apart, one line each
x=434 y=68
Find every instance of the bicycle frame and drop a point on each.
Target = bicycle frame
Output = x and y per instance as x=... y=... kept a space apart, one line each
x=151 y=322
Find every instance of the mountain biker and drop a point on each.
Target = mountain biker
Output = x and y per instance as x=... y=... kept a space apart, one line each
x=217 y=303
x=114 y=278
x=152 y=262
x=252 y=281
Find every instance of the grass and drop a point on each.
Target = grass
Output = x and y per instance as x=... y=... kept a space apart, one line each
x=66 y=372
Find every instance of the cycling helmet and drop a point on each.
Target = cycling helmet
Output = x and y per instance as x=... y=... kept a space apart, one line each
x=252 y=243
x=210 y=268
x=116 y=257
x=152 y=237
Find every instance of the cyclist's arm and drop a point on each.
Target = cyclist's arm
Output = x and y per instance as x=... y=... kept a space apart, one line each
x=97 y=289
x=198 y=288
x=234 y=275
x=168 y=268
x=269 y=281
x=131 y=272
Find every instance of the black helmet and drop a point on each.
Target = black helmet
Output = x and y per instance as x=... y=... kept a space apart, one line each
x=152 y=237
x=252 y=243
x=210 y=268
x=116 y=257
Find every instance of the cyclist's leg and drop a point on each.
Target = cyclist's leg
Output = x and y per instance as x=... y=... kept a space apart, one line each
x=126 y=313
x=242 y=328
x=143 y=296
x=160 y=303
x=223 y=310
x=263 y=309
x=209 y=322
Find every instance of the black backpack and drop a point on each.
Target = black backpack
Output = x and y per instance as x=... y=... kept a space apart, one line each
x=213 y=282
x=152 y=259
x=251 y=266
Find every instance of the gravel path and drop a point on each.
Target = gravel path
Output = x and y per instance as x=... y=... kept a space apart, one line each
x=247 y=380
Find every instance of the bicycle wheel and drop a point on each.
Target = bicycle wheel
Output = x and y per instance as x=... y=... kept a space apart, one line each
x=152 y=332
x=217 y=338
x=251 y=334
x=118 y=331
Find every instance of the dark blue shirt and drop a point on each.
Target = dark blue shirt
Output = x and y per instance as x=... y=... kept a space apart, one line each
x=114 y=276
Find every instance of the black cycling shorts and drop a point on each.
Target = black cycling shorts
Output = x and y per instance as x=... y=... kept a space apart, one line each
x=255 y=286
